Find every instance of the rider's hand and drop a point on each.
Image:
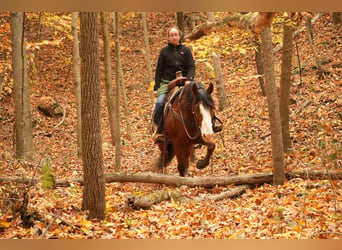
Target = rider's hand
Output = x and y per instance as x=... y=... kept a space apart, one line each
x=155 y=93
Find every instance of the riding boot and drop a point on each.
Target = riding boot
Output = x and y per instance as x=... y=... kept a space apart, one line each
x=159 y=121
x=158 y=136
x=217 y=127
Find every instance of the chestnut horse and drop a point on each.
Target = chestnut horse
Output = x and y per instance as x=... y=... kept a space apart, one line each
x=188 y=120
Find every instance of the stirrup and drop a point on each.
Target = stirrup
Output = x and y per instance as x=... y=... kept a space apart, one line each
x=217 y=128
x=156 y=137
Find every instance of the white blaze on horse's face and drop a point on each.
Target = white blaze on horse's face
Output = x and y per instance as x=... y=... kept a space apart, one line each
x=206 y=126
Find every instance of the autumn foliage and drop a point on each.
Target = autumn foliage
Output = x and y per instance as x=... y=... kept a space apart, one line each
x=301 y=208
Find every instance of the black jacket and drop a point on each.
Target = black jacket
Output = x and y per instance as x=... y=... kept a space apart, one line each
x=172 y=59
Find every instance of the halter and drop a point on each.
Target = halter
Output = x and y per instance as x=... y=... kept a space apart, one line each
x=183 y=121
x=180 y=117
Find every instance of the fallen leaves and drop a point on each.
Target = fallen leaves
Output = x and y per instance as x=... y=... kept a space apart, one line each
x=298 y=209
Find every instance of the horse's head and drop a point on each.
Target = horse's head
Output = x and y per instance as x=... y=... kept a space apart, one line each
x=204 y=110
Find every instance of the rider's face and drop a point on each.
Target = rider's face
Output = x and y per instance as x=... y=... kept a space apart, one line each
x=174 y=37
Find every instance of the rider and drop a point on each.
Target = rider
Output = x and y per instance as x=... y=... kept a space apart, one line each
x=172 y=58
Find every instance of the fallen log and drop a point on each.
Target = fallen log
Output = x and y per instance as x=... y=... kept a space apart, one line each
x=146 y=202
x=208 y=182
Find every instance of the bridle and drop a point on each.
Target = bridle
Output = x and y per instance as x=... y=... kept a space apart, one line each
x=180 y=117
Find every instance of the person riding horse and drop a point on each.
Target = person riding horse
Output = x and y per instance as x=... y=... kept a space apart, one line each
x=172 y=58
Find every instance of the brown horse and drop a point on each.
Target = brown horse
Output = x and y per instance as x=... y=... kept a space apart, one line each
x=188 y=120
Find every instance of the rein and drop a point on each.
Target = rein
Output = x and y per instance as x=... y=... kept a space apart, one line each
x=181 y=118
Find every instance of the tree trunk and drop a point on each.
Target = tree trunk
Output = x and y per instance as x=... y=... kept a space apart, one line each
x=148 y=54
x=285 y=83
x=180 y=23
x=273 y=109
x=259 y=66
x=23 y=119
x=336 y=17
x=117 y=94
x=221 y=93
x=308 y=24
x=123 y=89
x=77 y=72
x=108 y=76
x=94 y=185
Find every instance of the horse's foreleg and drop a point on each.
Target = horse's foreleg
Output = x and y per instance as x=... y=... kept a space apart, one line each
x=205 y=162
x=182 y=153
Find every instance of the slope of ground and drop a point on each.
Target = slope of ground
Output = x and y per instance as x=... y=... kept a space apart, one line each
x=298 y=209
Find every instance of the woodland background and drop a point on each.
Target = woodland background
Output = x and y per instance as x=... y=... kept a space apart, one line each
x=298 y=209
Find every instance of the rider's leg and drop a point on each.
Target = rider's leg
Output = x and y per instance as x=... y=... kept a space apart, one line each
x=158 y=118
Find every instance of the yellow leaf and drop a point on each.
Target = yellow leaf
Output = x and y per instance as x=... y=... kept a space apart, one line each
x=242 y=50
x=85 y=225
x=5 y=223
x=150 y=88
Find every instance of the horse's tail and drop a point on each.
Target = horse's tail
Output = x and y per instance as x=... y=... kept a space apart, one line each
x=168 y=153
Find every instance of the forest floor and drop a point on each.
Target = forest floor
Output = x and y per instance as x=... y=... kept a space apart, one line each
x=298 y=209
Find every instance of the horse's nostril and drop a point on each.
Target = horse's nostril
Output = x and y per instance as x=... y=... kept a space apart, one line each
x=208 y=137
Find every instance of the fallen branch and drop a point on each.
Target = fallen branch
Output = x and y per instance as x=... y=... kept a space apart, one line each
x=209 y=182
x=256 y=22
x=47 y=228
x=146 y=202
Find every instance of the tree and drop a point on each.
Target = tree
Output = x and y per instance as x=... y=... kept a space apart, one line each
x=108 y=76
x=221 y=93
x=273 y=108
x=336 y=17
x=122 y=83
x=117 y=93
x=23 y=120
x=147 y=54
x=260 y=68
x=285 y=83
x=256 y=22
x=180 y=22
x=94 y=185
x=308 y=24
x=77 y=72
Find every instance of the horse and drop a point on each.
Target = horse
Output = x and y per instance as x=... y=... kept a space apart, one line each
x=189 y=114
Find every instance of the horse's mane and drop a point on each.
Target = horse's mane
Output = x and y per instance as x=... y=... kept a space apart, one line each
x=203 y=95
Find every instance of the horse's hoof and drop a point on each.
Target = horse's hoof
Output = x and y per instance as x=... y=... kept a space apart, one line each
x=200 y=164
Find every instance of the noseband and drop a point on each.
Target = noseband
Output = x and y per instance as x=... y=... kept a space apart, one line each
x=180 y=117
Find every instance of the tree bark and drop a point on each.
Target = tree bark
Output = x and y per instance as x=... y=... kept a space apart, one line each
x=148 y=54
x=207 y=182
x=117 y=94
x=23 y=119
x=321 y=70
x=221 y=93
x=77 y=72
x=256 y=22
x=123 y=88
x=336 y=17
x=180 y=23
x=285 y=83
x=273 y=109
x=94 y=185
x=146 y=202
x=108 y=76
x=259 y=66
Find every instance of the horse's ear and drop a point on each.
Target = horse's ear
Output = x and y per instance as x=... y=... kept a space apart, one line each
x=195 y=89
x=210 y=89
